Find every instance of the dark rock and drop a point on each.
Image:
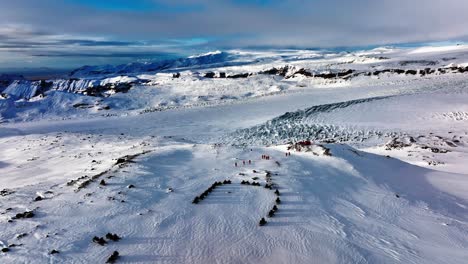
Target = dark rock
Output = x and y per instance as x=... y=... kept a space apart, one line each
x=53 y=251
x=344 y=73
x=327 y=152
x=27 y=214
x=277 y=192
x=196 y=200
x=99 y=241
x=20 y=236
x=271 y=213
x=209 y=75
x=100 y=90
x=4 y=250
x=131 y=186
x=304 y=72
x=240 y=75
x=418 y=62
x=271 y=71
x=278 y=200
x=103 y=183
x=398 y=143
x=113 y=237
x=113 y=258
x=176 y=75
x=82 y=105
x=326 y=75
x=262 y=222
x=282 y=71
x=275 y=208
x=120 y=161
x=6 y=192
x=38 y=198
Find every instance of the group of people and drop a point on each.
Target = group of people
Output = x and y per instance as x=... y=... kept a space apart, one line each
x=264 y=157
x=244 y=162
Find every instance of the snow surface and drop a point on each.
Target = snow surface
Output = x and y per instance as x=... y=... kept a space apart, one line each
x=385 y=180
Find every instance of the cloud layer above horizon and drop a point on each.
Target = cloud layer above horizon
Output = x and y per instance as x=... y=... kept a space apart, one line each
x=38 y=33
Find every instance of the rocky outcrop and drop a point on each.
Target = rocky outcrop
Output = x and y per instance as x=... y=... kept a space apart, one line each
x=23 y=89
x=223 y=75
x=239 y=75
x=209 y=75
x=399 y=143
x=284 y=71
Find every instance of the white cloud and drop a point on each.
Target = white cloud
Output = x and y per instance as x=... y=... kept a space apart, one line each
x=319 y=23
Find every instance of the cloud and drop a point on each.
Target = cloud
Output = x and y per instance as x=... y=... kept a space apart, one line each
x=142 y=25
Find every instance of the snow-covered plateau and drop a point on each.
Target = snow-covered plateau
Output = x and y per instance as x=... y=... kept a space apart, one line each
x=240 y=156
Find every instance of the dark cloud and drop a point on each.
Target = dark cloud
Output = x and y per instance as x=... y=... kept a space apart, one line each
x=55 y=24
x=319 y=22
x=91 y=43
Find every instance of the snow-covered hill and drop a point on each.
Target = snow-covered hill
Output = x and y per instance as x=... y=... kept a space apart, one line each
x=349 y=157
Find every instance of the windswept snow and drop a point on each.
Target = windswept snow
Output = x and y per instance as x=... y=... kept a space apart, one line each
x=368 y=160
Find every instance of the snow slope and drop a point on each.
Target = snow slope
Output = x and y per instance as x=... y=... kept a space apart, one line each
x=337 y=209
x=383 y=181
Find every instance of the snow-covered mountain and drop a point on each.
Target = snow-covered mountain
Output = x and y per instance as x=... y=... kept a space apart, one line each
x=7 y=79
x=355 y=157
x=202 y=60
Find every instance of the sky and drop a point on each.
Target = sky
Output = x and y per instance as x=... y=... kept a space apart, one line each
x=72 y=33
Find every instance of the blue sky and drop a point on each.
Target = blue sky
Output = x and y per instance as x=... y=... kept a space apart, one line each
x=69 y=33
